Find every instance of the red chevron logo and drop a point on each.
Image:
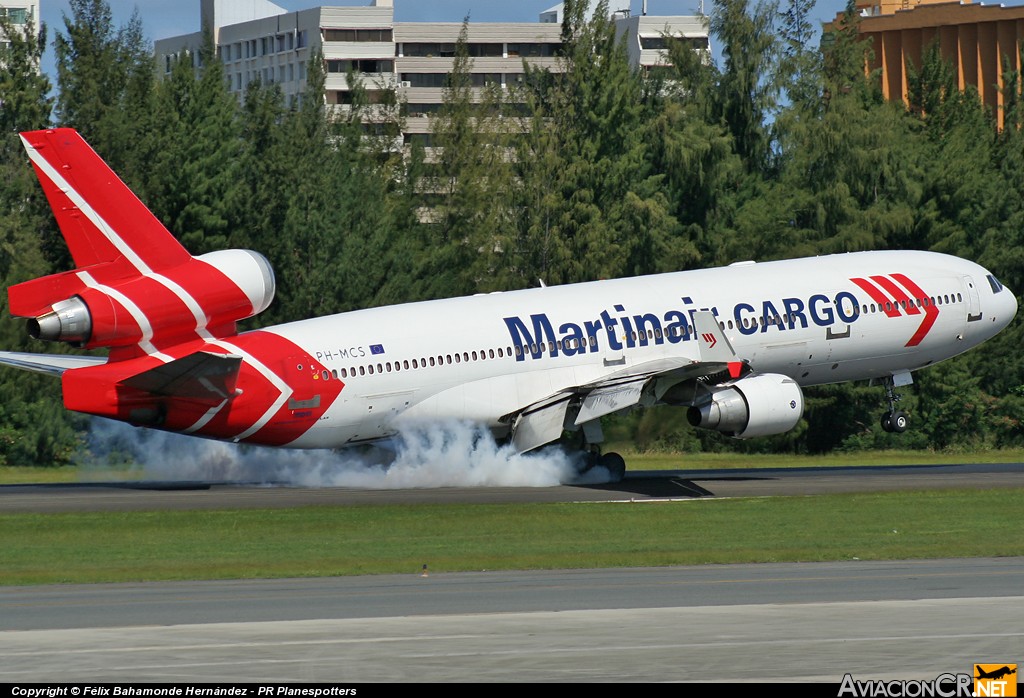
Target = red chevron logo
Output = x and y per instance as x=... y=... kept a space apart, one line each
x=903 y=295
x=710 y=339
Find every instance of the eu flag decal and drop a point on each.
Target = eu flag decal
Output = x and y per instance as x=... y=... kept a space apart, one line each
x=376 y=349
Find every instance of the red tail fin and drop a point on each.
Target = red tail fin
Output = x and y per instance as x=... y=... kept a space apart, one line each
x=94 y=208
x=135 y=288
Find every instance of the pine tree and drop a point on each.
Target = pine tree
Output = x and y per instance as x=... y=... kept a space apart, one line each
x=34 y=427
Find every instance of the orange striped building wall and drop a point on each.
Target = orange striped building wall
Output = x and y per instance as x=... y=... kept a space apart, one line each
x=973 y=38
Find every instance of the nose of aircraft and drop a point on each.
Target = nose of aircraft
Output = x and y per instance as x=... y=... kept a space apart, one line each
x=1004 y=306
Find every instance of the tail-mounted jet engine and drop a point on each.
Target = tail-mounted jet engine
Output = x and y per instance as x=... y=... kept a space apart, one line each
x=758 y=405
x=122 y=312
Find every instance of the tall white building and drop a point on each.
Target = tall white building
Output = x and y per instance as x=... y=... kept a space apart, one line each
x=256 y=39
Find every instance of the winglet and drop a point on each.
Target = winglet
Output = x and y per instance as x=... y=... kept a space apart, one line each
x=714 y=346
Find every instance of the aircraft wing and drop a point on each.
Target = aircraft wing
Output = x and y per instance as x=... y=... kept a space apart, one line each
x=49 y=364
x=543 y=421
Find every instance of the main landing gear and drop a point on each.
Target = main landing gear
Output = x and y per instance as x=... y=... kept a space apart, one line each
x=612 y=462
x=894 y=421
x=591 y=437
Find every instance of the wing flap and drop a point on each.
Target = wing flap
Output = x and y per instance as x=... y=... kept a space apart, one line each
x=607 y=400
x=541 y=425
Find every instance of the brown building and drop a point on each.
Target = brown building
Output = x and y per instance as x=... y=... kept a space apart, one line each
x=973 y=38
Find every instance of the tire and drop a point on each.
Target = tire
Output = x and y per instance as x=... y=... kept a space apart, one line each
x=615 y=464
x=899 y=422
x=887 y=422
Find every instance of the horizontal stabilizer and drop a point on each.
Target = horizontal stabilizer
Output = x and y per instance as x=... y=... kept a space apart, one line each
x=49 y=364
x=202 y=376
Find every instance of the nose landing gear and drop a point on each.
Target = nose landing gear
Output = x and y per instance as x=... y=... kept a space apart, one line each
x=894 y=421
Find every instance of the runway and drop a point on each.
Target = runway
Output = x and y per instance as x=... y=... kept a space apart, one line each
x=889 y=620
x=638 y=485
x=774 y=622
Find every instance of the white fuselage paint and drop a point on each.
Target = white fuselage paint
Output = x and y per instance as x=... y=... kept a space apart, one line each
x=483 y=390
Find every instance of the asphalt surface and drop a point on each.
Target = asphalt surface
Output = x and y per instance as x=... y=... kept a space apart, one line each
x=776 y=622
x=638 y=485
x=897 y=620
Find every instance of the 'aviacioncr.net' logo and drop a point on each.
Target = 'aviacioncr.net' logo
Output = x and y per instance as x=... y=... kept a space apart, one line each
x=995 y=680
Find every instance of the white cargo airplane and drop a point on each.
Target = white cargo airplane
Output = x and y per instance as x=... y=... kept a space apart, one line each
x=734 y=345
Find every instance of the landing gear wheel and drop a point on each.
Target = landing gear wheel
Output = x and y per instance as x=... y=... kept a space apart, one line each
x=615 y=464
x=899 y=421
x=895 y=422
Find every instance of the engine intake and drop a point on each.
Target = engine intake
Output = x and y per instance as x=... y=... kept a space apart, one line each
x=758 y=405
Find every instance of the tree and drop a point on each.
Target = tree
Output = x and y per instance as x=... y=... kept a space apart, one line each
x=746 y=90
x=588 y=195
x=34 y=427
x=100 y=71
x=194 y=178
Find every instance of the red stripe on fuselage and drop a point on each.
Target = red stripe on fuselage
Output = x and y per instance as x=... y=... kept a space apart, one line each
x=95 y=390
x=898 y=295
x=885 y=304
x=931 y=312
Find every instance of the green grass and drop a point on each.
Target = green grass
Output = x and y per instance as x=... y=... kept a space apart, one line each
x=322 y=541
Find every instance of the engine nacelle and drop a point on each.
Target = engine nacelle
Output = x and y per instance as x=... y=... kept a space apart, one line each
x=758 y=405
x=250 y=271
x=169 y=305
x=67 y=321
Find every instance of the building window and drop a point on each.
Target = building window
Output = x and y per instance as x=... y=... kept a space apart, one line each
x=425 y=79
x=16 y=15
x=361 y=66
x=419 y=50
x=357 y=35
x=534 y=50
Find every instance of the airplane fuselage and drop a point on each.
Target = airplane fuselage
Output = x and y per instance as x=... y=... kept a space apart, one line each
x=360 y=376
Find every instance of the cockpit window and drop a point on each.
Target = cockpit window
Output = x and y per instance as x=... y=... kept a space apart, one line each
x=994 y=283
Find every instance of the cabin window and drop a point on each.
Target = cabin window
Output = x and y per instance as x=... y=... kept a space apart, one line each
x=449 y=358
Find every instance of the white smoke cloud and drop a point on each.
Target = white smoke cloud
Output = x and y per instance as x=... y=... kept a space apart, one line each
x=440 y=455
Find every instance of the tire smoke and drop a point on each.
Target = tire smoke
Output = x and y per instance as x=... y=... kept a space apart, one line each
x=456 y=454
